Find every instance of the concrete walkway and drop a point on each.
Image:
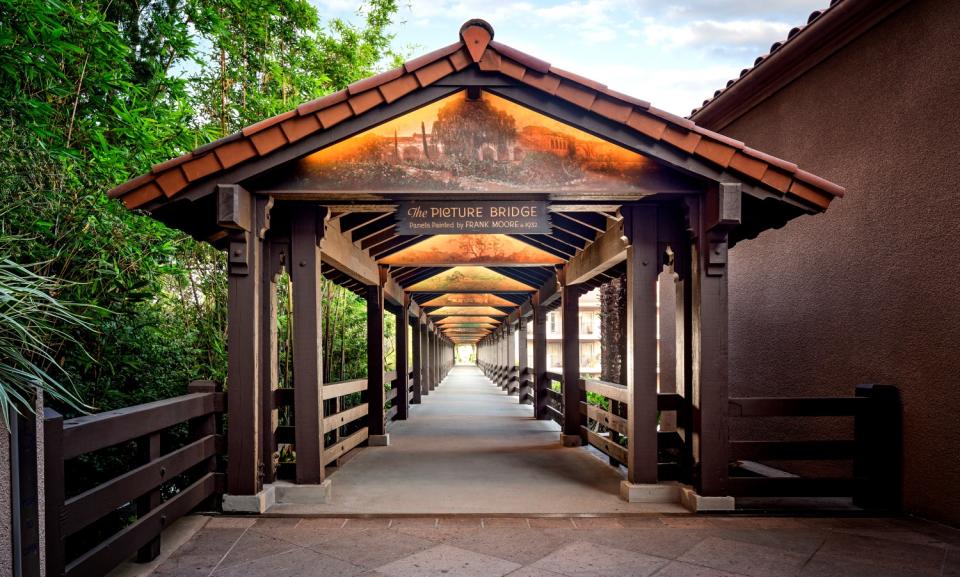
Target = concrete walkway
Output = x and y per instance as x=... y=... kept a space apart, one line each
x=470 y=448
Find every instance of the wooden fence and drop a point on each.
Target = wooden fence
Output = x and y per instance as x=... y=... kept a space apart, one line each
x=194 y=464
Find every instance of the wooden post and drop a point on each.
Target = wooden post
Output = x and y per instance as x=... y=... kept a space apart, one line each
x=709 y=259
x=54 y=488
x=402 y=383
x=643 y=264
x=417 y=362
x=237 y=209
x=510 y=346
x=148 y=449
x=307 y=230
x=570 y=344
x=540 y=383
x=275 y=254
x=878 y=440
x=375 y=394
x=523 y=365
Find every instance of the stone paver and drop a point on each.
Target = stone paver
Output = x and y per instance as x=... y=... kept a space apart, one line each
x=654 y=546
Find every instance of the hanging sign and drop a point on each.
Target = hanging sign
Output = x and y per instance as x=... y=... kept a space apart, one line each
x=473 y=217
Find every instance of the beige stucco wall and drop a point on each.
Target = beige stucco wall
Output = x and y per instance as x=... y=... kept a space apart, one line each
x=870 y=291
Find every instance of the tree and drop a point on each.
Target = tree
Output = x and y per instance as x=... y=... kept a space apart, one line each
x=464 y=126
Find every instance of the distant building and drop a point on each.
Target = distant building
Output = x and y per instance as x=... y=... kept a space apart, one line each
x=589 y=323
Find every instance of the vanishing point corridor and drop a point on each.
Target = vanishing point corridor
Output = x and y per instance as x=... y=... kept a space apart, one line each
x=471 y=448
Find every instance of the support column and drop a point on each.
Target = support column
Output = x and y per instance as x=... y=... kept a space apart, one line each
x=306 y=234
x=643 y=264
x=237 y=209
x=276 y=253
x=523 y=365
x=417 y=362
x=570 y=303
x=425 y=374
x=375 y=395
x=540 y=383
x=511 y=355
x=403 y=384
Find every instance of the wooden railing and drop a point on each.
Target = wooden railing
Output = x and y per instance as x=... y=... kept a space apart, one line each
x=511 y=380
x=554 y=404
x=344 y=428
x=525 y=385
x=874 y=449
x=187 y=475
x=606 y=428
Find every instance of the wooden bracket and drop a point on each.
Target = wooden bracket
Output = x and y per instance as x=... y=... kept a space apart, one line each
x=234 y=207
x=724 y=206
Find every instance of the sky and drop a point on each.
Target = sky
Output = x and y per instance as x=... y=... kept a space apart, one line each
x=673 y=54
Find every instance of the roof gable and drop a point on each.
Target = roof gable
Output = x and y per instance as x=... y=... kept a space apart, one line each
x=216 y=161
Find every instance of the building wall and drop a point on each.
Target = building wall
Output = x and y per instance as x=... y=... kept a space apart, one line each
x=870 y=291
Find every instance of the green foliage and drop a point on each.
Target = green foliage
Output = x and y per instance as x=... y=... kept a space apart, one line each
x=95 y=92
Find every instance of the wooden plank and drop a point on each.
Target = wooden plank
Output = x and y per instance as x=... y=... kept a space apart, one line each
x=93 y=432
x=54 y=488
x=791 y=450
x=794 y=407
x=607 y=251
x=402 y=379
x=607 y=446
x=605 y=418
x=789 y=487
x=344 y=388
x=375 y=373
x=553 y=376
x=390 y=395
x=554 y=415
x=120 y=546
x=334 y=452
x=337 y=420
x=611 y=391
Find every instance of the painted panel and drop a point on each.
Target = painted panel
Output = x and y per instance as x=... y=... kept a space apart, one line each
x=471 y=249
x=454 y=320
x=460 y=311
x=469 y=279
x=467 y=300
x=489 y=144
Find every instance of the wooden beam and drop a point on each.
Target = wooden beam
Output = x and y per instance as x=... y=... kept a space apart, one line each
x=608 y=250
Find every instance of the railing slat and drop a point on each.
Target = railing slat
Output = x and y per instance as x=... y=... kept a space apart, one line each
x=792 y=450
x=607 y=446
x=344 y=388
x=90 y=433
x=790 y=487
x=605 y=418
x=88 y=507
x=120 y=546
x=337 y=420
x=334 y=452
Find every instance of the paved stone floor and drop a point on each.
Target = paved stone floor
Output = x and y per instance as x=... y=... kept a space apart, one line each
x=471 y=448
x=664 y=546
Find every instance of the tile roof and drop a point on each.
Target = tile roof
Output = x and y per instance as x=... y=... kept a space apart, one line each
x=475 y=48
x=774 y=48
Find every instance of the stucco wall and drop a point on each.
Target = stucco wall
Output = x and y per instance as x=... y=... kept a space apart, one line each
x=870 y=291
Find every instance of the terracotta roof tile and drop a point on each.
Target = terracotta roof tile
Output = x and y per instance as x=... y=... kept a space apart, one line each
x=685 y=140
x=235 y=152
x=265 y=124
x=490 y=62
x=129 y=185
x=365 y=101
x=321 y=103
x=172 y=181
x=399 y=88
x=777 y=179
x=421 y=61
x=460 y=60
x=545 y=82
x=168 y=164
x=522 y=58
x=374 y=81
x=296 y=128
x=748 y=166
x=612 y=109
x=268 y=140
x=810 y=194
x=822 y=183
x=512 y=69
x=216 y=143
x=577 y=94
x=715 y=152
x=171 y=177
x=433 y=72
x=646 y=124
x=578 y=79
x=142 y=195
x=334 y=115
x=476 y=35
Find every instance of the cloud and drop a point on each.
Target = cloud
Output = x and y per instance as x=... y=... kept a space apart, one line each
x=715 y=33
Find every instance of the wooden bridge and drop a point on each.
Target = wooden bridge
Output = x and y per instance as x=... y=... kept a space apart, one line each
x=560 y=185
